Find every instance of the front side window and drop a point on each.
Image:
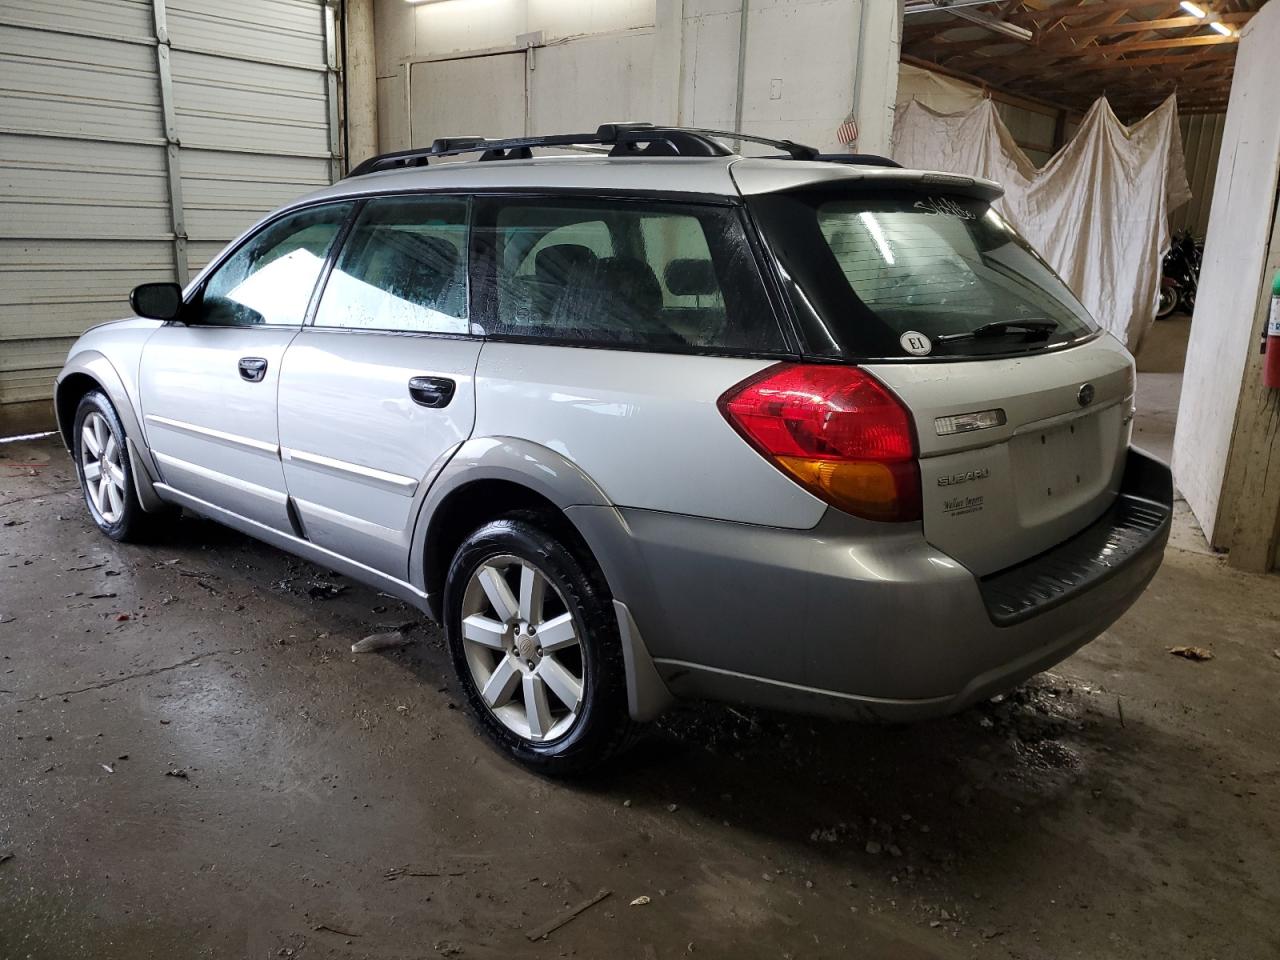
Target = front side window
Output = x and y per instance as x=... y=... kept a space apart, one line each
x=270 y=279
x=402 y=268
x=649 y=275
x=876 y=268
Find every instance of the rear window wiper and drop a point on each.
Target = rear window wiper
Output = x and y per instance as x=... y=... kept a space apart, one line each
x=1030 y=329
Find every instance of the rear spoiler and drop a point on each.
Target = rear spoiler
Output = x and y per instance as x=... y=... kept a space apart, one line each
x=754 y=177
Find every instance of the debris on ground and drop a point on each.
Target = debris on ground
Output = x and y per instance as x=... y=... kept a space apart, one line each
x=1199 y=654
x=5 y=856
x=541 y=933
x=381 y=641
x=1274 y=653
x=107 y=767
x=329 y=928
x=177 y=772
x=323 y=590
x=395 y=873
x=640 y=901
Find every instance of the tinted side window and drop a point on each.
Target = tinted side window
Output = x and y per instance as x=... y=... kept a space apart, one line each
x=653 y=275
x=269 y=280
x=403 y=267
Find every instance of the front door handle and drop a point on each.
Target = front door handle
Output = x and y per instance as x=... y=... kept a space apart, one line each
x=253 y=369
x=434 y=392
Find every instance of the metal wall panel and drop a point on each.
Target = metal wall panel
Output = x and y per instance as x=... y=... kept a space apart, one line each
x=81 y=154
x=1201 y=144
x=95 y=141
x=251 y=93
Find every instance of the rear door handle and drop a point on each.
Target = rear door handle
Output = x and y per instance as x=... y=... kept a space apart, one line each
x=253 y=369
x=434 y=392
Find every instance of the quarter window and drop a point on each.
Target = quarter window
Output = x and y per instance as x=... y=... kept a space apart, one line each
x=270 y=279
x=649 y=275
x=403 y=268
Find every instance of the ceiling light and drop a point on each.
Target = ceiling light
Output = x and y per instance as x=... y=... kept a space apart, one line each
x=1222 y=28
x=992 y=23
x=1194 y=9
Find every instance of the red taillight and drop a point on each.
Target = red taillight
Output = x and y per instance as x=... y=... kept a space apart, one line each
x=835 y=430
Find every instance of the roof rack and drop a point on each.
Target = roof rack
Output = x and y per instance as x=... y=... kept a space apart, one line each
x=625 y=139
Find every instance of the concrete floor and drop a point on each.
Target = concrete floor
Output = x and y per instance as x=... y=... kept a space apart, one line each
x=1125 y=805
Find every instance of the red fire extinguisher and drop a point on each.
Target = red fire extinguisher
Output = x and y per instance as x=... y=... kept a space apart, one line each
x=1271 y=366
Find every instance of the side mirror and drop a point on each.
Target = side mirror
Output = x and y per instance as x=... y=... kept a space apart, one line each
x=156 y=301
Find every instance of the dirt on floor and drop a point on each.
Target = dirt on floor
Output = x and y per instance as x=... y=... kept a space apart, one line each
x=193 y=764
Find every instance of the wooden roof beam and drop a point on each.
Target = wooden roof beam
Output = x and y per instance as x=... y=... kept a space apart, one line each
x=1069 y=12
x=1141 y=26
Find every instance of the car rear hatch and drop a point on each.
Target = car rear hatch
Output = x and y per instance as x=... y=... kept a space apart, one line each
x=1021 y=406
x=1047 y=466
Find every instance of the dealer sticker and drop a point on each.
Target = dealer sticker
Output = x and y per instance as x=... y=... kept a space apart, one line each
x=916 y=343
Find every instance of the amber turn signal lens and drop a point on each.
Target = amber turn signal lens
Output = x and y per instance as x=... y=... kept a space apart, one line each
x=835 y=430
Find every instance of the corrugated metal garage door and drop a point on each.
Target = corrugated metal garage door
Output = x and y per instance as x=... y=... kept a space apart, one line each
x=230 y=112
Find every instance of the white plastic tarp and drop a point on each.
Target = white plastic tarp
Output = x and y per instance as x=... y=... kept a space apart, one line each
x=1097 y=211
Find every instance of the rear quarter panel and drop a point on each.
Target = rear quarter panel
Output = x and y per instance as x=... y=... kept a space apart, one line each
x=643 y=426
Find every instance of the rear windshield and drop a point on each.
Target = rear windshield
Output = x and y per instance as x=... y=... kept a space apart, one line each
x=899 y=274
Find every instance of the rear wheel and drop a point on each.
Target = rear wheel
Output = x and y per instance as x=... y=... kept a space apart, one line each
x=535 y=644
x=106 y=475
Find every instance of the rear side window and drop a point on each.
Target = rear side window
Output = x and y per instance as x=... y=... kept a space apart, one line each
x=402 y=268
x=640 y=274
x=872 y=270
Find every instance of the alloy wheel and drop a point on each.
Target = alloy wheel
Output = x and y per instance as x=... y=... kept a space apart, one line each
x=100 y=458
x=523 y=649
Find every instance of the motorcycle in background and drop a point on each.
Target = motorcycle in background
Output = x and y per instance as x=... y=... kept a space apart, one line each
x=1180 y=275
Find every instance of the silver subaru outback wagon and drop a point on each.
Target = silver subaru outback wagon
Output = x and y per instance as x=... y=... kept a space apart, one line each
x=653 y=423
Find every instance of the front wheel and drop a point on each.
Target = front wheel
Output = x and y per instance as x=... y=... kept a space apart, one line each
x=1168 y=301
x=535 y=643
x=106 y=475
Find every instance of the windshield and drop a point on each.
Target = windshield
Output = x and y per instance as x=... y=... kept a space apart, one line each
x=897 y=274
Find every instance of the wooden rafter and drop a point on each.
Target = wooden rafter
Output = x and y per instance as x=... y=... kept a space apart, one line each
x=1134 y=51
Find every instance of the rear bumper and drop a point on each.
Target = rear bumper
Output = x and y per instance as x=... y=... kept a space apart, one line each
x=863 y=620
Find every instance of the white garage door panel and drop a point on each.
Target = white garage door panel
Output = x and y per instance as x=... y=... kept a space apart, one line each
x=267 y=109
x=224 y=193
x=54 y=83
x=269 y=30
x=25 y=366
x=57 y=288
x=85 y=210
x=62 y=188
x=201 y=252
x=116 y=18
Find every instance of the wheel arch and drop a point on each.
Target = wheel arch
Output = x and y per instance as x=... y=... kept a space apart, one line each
x=90 y=370
x=487 y=478
x=490 y=477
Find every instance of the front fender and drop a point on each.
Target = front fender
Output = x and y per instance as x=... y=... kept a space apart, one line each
x=96 y=366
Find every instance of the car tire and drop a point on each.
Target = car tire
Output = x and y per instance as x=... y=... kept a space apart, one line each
x=106 y=476
x=521 y=692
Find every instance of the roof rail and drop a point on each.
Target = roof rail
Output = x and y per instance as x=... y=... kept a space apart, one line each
x=625 y=139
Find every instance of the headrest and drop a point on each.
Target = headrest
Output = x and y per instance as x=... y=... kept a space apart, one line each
x=555 y=263
x=692 y=277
